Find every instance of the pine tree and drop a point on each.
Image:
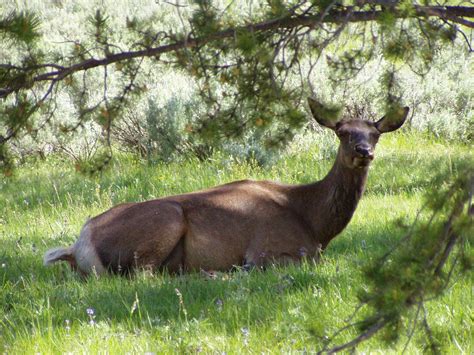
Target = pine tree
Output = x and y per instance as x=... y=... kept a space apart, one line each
x=241 y=65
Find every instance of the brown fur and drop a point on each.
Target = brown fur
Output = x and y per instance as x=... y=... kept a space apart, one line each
x=244 y=222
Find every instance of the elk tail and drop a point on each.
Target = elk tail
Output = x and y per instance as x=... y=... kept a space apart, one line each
x=58 y=254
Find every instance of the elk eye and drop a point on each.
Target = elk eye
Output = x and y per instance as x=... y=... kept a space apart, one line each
x=341 y=133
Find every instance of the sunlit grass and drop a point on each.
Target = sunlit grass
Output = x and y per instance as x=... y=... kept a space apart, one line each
x=44 y=310
x=280 y=310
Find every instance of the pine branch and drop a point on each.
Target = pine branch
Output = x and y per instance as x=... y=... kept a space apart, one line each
x=458 y=198
x=347 y=15
x=369 y=333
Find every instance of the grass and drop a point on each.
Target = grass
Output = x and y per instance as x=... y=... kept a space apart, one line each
x=281 y=310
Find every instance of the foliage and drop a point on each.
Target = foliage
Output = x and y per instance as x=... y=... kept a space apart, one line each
x=20 y=27
x=164 y=134
x=402 y=281
x=249 y=67
x=251 y=62
x=290 y=309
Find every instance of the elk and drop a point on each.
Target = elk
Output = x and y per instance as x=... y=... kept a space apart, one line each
x=240 y=223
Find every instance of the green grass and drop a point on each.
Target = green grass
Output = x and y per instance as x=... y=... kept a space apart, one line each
x=281 y=310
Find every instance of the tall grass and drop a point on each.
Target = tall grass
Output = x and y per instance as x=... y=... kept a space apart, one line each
x=280 y=310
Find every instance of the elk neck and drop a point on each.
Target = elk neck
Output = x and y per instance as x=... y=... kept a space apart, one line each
x=328 y=205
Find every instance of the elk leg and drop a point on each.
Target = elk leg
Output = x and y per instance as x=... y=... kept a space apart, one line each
x=145 y=239
x=174 y=263
x=262 y=259
x=165 y=248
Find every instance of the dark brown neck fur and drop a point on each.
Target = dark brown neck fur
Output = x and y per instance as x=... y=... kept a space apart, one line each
x=328 y=205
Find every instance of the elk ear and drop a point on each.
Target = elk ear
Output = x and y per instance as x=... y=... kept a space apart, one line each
x=393 y=120
x=325 y=116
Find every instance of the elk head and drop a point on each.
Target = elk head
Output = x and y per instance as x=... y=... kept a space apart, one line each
x=358 y=137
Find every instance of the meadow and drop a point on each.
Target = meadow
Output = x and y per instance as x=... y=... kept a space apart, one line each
x=281 y=310
x=293 y=309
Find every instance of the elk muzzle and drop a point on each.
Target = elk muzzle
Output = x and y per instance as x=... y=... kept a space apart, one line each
x=364 y=155
x=364 y=151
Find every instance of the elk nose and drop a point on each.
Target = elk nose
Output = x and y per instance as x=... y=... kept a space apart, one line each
x=364 y=151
